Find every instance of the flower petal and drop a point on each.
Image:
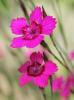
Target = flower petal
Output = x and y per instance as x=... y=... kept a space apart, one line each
x=58 y=82
x=36 y=57
x=70 y=80
x=34 y=42
x=48 y=25
x=65 y=92
x=17 y=24
x=50 y=68
x=23 y=67
x=36 y=15
x=17 y=42
x=24 y=79
x=41 y=81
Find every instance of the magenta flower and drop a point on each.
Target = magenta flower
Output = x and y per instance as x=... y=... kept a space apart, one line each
x=57 y=82
x=32 y=33
x=60 y=85
x=63 y=86
x=70 y=81
x=36 y=70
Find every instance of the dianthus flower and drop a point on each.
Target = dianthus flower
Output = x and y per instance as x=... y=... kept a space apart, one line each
x=36 y=70
x=63 y=86
x=31 y=34
x=70 y=81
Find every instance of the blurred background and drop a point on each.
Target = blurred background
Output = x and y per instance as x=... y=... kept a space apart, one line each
x=11 y=59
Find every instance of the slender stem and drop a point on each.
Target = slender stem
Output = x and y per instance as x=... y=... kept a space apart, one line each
x=50 y=78
x=23 y=9
x=64 y=53
x=57 y=49
x=54 y=43
x=44 y=44
x=43 y=93
x=51 y=88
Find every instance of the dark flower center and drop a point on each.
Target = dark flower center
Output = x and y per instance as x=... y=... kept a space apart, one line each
x=35 y=69
x=31 y=31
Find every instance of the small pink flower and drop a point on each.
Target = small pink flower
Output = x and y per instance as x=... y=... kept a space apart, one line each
x=65 y=91
x=32 y=33
x=70 y=81
x=57 y=82
x=36 y=70
x=63 y=86
x=71 y=55
x=60 y=86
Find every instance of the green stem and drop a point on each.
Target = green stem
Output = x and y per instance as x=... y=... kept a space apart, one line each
x=44 y=44
x=64 y=53
x=51 y=88
x=23 y=9
x=58 y=50
x=50 y=78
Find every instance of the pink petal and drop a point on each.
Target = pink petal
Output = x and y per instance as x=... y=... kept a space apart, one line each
x=34 y=42
x=58 y=82
x=70 y=80
x=36 y=15
x=41 y=81
x=36 y=57
x=50 y=68
x=23 y=67
x=65 y=92
x=17 y=24
x=17 y=42
x=48 y=25
x=24 y=79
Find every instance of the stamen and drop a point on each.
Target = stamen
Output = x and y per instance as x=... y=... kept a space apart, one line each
x=35 y=69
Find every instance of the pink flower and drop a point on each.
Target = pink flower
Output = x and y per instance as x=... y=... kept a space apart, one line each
x=65 y=91
x=57 y=82
x=36 y=70
x=70 y=81
x=31 y=34
x=71 y=55
x=63 y=86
